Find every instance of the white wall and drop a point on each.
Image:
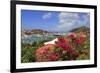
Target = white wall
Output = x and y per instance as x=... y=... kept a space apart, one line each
x=5 y=37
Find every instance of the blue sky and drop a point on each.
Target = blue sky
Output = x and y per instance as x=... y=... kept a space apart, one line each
x=53 y=21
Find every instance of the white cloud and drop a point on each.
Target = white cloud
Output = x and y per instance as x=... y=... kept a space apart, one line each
x=68 y=20
x=47 y=15
x=64 y=15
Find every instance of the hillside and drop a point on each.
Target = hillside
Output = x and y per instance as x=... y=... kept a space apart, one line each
x=82 y=29
x=34 y=31
x=39 y=31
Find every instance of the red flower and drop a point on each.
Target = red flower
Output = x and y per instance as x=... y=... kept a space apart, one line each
x=67 y=47
x=80 y=40
x=74 y=53
x=62 y=40
x=46 y=53
x=72 y=36
x=53 y=57
x=64 y=46
x=44 y=49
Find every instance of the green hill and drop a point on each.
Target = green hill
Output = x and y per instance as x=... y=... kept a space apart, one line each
x=82 y=29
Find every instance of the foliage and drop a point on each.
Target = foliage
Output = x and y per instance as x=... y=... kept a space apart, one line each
x=28 y=50
x=75 y=46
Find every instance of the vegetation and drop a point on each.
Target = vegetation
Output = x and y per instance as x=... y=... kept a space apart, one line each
x=75 y=46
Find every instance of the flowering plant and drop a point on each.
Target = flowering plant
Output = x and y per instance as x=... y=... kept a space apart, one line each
x=66 y=48
x=74 y=46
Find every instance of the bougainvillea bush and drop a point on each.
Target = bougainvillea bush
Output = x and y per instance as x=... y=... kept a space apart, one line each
x=74 y=46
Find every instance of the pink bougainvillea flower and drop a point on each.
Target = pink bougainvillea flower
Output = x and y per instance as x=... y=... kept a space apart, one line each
x=62 y=40
x=64 y=46
x=67 y=47
x=80 y=40
x=46 y=53
x=74 y=53
x=72 y=36
x=54 y=57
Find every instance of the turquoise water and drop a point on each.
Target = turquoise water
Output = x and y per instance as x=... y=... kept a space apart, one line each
x=36 y=38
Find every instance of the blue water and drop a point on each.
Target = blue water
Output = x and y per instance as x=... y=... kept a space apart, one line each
x=35 y=38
